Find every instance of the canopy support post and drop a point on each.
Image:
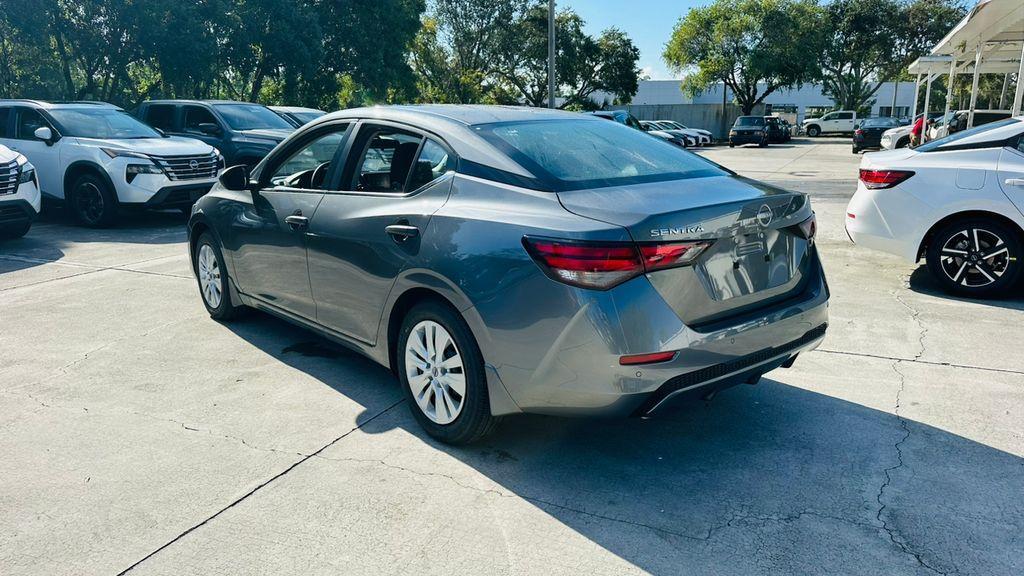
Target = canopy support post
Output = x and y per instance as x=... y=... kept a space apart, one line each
x=913 y=107
x=1018 y=94
x=974 y=86
x=924 y=119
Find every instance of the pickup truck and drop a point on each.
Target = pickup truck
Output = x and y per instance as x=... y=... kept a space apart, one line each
x=838 y=122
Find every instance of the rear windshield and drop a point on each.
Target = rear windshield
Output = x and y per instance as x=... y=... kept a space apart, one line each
x=880 y=123
x=577 y=154
x=929 y=146
x=750 y=121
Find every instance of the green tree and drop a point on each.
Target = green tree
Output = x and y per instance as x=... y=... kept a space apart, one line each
x=754 y=46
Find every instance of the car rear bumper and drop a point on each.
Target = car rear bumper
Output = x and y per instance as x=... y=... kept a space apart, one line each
x=886 y=220
x=747 y=139
x=571 y=366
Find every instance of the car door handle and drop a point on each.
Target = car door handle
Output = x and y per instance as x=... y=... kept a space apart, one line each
x=297 y=222
x=1014 y=182
x=402 y=232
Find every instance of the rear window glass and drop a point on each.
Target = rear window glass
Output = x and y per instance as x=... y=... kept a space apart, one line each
x=880 y=123
x=929 y=146
x=576 y=154
x=750 y=121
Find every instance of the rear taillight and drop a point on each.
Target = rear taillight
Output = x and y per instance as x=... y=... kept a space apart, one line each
x=877 y=179
x=858 y=132
x=603 y=265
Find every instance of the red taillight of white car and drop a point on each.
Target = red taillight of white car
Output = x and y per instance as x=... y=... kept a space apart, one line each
x=878 y=179
x=603 y=265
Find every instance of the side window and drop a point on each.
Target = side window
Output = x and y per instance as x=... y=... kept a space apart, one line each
x=431 y=164
x=28 y=121
x=845 y=116
x=830 y=116
x=5 y=115
x=196 y=115
x=160 y=116
x=309 y=166
x=385 y=161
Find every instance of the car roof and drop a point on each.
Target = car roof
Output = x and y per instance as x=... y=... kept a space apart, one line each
x=60 y=105
x=188 y=101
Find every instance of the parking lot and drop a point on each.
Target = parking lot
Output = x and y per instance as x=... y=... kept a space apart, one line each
x=139 y=435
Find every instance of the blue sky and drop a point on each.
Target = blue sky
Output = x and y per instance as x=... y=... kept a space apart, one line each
x=648 y=22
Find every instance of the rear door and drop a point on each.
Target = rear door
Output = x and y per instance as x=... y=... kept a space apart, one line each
x=270 y=261
x=844 y=122
x=1010 y=172
x=365 y=233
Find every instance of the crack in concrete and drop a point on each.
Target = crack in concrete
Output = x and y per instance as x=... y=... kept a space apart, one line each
x=89 y=269
x=925 y=362
x=893 y=533
x=915 y=315
x=262 y=485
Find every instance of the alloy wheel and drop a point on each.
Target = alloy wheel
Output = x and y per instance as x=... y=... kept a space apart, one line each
x=975 y=257
x=209 y=276
x=89 y=202
x=434 y=369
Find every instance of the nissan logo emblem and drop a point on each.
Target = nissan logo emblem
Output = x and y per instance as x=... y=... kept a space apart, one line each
x=194 y=164
x=764 y=215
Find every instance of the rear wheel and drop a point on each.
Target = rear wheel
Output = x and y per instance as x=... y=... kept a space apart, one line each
x=442 y=375
x=92 y=202
x=975 y=257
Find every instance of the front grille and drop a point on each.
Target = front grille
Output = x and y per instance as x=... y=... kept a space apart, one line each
x=9 y=178
x=188 y=167
x=697 y=377
x=8 y=212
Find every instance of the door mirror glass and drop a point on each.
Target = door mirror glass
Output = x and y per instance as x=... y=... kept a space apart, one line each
x=235 y=178
x=43 y=133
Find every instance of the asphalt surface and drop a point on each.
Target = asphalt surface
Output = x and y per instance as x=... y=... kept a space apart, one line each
x=137 y=435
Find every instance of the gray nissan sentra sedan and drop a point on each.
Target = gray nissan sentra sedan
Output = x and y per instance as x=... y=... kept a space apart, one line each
x=503 y=260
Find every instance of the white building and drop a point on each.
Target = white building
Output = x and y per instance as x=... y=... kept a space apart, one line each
x=805 y=102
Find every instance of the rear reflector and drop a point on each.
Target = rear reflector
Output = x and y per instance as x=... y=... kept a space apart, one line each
x=878 y=179
x=652 y=358
x=602 y=265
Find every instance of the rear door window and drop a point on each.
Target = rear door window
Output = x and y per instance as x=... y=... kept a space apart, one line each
x=432 y=163
x=385 y=161
x=844 y=116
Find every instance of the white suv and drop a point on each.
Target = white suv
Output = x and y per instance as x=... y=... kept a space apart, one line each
x=19 y=194
x=96 y=158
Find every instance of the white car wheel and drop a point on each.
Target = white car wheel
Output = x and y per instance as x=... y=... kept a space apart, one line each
x=434 y=370
x=209 y=276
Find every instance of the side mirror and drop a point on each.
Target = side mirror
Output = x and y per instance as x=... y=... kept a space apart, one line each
x=210 y=128
x=235 y=178
x=45 y=134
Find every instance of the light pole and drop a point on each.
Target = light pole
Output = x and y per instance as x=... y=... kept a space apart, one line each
x=551 y=53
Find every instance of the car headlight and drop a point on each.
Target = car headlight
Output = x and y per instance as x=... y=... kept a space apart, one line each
x=115 y=153
x=28 y=174
x=133 y=170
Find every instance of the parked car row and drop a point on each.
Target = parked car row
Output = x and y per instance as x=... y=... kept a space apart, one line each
x=97 y=159
x=670 y=130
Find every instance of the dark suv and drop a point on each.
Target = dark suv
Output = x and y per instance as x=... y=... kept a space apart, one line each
x=749 y=130
x=243 y=132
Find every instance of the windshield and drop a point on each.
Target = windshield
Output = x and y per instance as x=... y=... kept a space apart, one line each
x=251 y=117
x=578 y=154
x=929 y=146
x=107 y=123
x=750 y=121
x=307 y=117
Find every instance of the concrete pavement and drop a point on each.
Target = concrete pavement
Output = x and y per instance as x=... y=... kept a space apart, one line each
x=138 y=435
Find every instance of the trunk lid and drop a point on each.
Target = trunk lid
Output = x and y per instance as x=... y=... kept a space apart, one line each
x=758 y=256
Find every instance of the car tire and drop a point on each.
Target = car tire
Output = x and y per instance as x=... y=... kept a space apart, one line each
x=212 y=277
x=92 y=202
x=14 y=231
x=956 y=257
x=813 y=131
x=763 y=143
x=436 y=403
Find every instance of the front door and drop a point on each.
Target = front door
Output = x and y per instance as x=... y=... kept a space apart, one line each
x=45 y=157
x=270 y=258
x=362 y=237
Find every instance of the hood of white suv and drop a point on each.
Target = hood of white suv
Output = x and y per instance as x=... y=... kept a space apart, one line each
x=173 y=146
x=7 y=155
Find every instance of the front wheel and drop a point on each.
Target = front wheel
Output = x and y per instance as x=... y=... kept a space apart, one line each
x=813 y=131
x=442 y=375
x=213 y=279
x=975 y=257
x=92 y=201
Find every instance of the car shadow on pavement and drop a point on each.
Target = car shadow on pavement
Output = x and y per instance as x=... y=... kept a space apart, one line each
x=767 y=478
x=922 y=282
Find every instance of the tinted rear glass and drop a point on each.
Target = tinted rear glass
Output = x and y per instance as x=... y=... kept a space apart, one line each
x=929 y=146
x=750 y=121
x=880 y=123
x=577 y=154
x=251 y=117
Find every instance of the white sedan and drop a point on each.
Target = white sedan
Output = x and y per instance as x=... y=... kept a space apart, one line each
x=956 y=201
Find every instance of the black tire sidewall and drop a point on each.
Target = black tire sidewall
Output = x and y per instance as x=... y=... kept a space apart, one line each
x=1003 y=284
x=225 y=310
x=813 y=132
x=110 y=206
x=14 y=231
x=475 y=420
